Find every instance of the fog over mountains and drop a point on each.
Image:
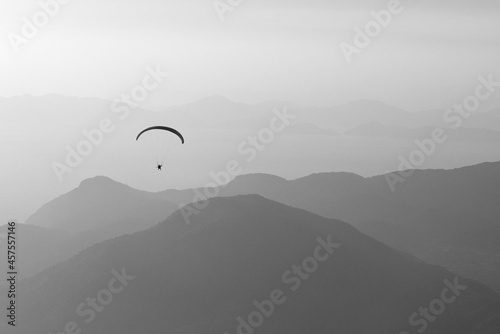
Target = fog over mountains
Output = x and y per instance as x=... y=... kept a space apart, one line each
x=444 y=217
x=206 y=276
x=205 y=272
x=328 y=138
x=426 y=243
x=250 y=167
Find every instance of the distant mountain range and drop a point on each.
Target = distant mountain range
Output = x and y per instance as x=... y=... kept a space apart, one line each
x=446 y=217
x=216 y=274
x=208 y=113
x=377 y=130
x=40 y=129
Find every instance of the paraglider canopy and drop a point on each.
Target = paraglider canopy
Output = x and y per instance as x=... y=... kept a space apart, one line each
x=165 y=128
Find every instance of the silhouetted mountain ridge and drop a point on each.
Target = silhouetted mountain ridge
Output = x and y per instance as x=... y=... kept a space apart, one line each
x=98 y=202
x=443 y=216
x=200 y=277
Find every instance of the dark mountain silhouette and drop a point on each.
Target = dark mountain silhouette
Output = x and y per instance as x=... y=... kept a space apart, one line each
x=45 y=247
x=99 y=202
x=469 y=192
x=99 y=209
x=353 y=198
x=446 y=217
x=199 y=278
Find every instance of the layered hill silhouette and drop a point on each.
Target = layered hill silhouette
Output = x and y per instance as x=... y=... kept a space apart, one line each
x=99 y=209
x=210 y=275
x=447 y=217
x=99 y=202
x=207 y=112
x=48 y=125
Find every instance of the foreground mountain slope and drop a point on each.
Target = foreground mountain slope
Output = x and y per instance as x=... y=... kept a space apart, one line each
x=199 y=278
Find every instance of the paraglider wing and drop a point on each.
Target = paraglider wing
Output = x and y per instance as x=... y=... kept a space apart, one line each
x=165 y=128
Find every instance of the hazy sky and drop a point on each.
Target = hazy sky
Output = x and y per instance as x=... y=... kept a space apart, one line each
x=287 y=50
x=429 y=56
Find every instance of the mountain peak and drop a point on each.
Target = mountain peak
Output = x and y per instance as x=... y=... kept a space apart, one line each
x=98 y=181
x=98 y=202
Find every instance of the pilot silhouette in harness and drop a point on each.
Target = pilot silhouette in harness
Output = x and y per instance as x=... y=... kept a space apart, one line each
x=159 y=167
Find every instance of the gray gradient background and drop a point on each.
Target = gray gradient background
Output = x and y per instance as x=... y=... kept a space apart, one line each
x=427 y=59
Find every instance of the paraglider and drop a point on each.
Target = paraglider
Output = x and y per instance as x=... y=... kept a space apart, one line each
x=164 y=128
x=160 y=138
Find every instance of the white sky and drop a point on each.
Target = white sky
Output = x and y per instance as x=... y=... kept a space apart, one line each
x=428 y=57
x=270 y=49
